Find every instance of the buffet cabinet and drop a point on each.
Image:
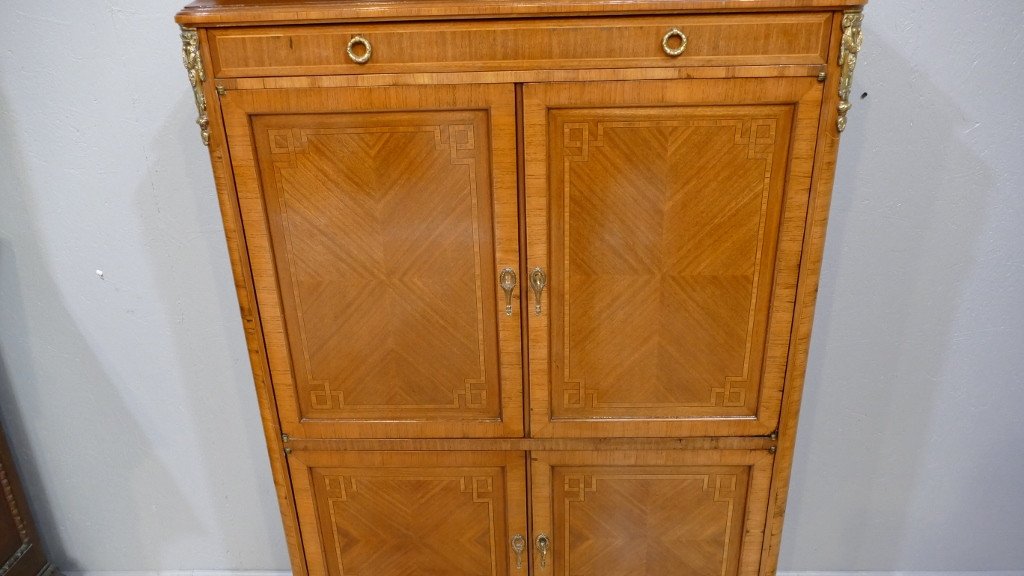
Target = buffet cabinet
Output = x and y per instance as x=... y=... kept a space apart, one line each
x=527 y=286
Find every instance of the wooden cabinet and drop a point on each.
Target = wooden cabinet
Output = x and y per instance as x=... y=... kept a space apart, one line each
x=21 y=552
x=527 y=286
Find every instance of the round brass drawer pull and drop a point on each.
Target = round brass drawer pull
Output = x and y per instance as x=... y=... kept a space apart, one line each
x=674 y=33
x=359 y=41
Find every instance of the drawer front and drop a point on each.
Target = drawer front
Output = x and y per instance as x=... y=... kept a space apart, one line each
x=716 y=40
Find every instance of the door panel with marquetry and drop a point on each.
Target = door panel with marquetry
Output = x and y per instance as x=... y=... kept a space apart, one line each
x=668 y=218
x=650 y=513
x=403 y=513
x=378 y=223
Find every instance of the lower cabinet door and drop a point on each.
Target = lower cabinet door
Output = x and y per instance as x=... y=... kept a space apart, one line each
x=411 y=513
x=649 y=513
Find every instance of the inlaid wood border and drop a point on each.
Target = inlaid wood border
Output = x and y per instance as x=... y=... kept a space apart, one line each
x=498 y=101
x=805 y=97
x=744 y=134
x=759 y=463
x=513 y=463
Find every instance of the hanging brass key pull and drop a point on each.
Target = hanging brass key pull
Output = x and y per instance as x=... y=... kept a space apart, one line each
x=543 y=546
x=518 y=546
x=538 y=280
x=507 y=280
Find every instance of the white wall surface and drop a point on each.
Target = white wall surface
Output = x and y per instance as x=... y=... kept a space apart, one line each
x=129 y=401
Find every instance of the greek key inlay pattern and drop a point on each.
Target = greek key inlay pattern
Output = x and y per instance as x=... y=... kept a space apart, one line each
x=758 y=137
x=459 y=140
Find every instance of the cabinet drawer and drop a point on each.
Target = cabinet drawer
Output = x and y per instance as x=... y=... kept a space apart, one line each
x=719 y=40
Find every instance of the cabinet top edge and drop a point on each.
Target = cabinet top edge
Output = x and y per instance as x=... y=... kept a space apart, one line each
x=245 y=12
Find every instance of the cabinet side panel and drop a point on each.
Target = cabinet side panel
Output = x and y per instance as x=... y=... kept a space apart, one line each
x=237 y=252
x=823 y=178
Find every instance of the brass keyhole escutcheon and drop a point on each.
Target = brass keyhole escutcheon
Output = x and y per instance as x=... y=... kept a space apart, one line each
x=543 y=547
x=507 y=280
x=518 y=546
x=538 y=280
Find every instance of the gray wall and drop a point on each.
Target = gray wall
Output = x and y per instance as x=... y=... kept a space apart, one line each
x=911 y=444
x=128 y=397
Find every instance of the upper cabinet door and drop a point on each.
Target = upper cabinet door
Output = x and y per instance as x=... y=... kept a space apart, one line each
x=379 y=222
x=667 y=218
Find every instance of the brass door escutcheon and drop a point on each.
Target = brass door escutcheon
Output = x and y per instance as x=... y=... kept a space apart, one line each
x=508 y=280
x=518 y=546
x=543 y=546
x=538 y=280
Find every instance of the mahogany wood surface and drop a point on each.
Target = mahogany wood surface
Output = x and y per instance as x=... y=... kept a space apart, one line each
x=677 y=206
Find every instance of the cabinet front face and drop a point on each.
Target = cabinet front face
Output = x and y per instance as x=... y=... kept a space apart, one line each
x=378 y=223
x=668 y=216
x=406 y=513
x=650 y=513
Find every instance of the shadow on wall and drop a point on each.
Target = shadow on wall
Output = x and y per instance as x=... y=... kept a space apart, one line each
x=194 y=282
x=50 y=379
x=907 y=211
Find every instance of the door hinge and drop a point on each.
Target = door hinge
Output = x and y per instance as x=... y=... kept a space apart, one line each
x=221 y=90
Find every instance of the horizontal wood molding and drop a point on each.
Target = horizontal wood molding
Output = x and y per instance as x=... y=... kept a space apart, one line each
x=233 y=12
x=522 y=76
x=287 y=573
x=527 y=444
